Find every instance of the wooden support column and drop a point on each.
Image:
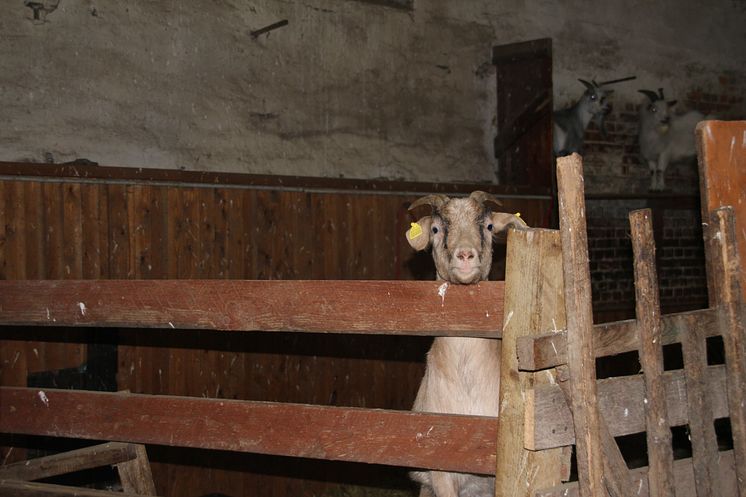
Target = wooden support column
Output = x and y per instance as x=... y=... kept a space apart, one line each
x=724 y=272
x=135 y=474
x=533 y=303
x=647 y=308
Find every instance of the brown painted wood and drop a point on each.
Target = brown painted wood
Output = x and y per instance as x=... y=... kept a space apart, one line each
x=580 y=357
x=15 y=488
x=550 y=349
x=683 y=480
x=406 y=307
x=724 y=274
x=68 y=462
x=135 y=474
x=621 y=406
x=648 y=311
x=532 y=256
x=701 y=419
x=436 y=441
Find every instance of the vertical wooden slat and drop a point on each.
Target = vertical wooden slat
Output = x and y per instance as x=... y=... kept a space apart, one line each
x=533 y=304
x=580 y=357
x=660 y=449
x=701 y=422
x=91 y=221
x=72 y=229
x=119 y=232
x=3 y=232
x=725 y=293
x=135 y=475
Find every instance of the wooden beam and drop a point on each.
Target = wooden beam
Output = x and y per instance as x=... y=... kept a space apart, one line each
x=534 y=300
x=17 y=488
x=68 y=462
x=391 y=307
x=432 y=441
x=580 y=357
x=621 y=406
x=549 y=350
x=648 y=311
x=683 y=480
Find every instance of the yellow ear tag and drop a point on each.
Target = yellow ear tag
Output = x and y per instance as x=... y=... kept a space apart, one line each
x=517 y=214
x=414 y=231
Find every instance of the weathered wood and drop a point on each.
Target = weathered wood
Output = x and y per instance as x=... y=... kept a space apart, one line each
x=724 y=274
x=16 y=488
x=67 y=462
x=683 y=480
x=648 y=311
x=394 y=307
x=701 y=420
x=533 y=300
x=135 y=474
x=550 y=349
x=621 y=406
x=580 y=358
x=433 y=441
x=616 y=475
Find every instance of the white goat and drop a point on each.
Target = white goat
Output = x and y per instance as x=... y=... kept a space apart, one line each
x=664 y=137
x=568 y=130
x=462 y=374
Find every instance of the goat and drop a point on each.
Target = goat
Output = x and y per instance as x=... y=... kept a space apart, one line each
x=664 y=137
x=568 y=129
x=462 y=375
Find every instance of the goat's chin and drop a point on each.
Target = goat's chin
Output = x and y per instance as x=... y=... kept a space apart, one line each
x=465 y=277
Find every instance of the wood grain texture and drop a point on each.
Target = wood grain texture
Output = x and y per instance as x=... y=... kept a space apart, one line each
x=621 y=406
x=15 y=488
x=406 y=307
x=533 y=300
x=135 y=474
x=648 y=311
x=580 y=357
x=435 y=441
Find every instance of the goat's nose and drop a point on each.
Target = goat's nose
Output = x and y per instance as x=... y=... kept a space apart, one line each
x=465 y=254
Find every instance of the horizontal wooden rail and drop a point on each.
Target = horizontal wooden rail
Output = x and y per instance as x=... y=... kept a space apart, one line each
x=16 y=488
x=398 y=438
x=390 y=307
x=550 y=349
x=549 y=421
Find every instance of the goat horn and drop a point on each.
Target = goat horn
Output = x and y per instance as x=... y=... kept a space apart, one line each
x=436 y=201
x=586 y=83
x=650 y=94
x=484 y=197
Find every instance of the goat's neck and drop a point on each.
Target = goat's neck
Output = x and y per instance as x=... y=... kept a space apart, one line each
x=583 y=113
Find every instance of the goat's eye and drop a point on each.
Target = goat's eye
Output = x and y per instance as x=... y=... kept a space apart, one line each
x=489 y=227
x=653 y=109
x=435 y=229
x=593 y=97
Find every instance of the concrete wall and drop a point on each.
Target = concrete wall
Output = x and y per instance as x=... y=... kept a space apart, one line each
x=347 y=88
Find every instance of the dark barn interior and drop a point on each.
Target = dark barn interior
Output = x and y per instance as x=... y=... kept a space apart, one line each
x=275 y=140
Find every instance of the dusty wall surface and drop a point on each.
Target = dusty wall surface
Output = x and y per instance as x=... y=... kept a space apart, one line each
x=347 y=88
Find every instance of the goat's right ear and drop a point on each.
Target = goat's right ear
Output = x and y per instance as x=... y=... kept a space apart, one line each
x=502 y=220
x=418 y=235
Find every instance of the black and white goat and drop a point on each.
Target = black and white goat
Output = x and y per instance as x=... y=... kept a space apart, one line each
x=665 y=137
x=568 y=130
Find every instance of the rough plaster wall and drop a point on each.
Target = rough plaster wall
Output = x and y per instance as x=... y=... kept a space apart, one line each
x=346 y=89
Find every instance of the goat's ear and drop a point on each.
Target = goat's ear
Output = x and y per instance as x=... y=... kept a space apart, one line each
x=502 y=220
x=418 y=235
x=671 y=103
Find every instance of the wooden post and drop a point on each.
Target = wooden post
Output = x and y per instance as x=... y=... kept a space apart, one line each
x=725 y=293
x=647 y=307
x=533 y=304
x=135 y=475
x=580 y=358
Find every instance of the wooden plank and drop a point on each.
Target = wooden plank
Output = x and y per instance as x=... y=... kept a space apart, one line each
x=434 y=441
x=722 y=172
x=724 y=275
x=69 y=462
x=15 y=488
x=393 y=307
x=580 y=358
x=648 y=311
x=533 y=300
x=550 y=349
x=701 y=420
x=135 y=474
x=683 y=480
x=621 y=406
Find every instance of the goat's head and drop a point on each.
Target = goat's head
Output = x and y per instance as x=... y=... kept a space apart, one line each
x=657 y=109
x=460 y=232
x=596 y=98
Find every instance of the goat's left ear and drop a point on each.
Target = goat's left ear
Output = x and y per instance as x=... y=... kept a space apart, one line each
x=502 y=220
x=418 y=235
